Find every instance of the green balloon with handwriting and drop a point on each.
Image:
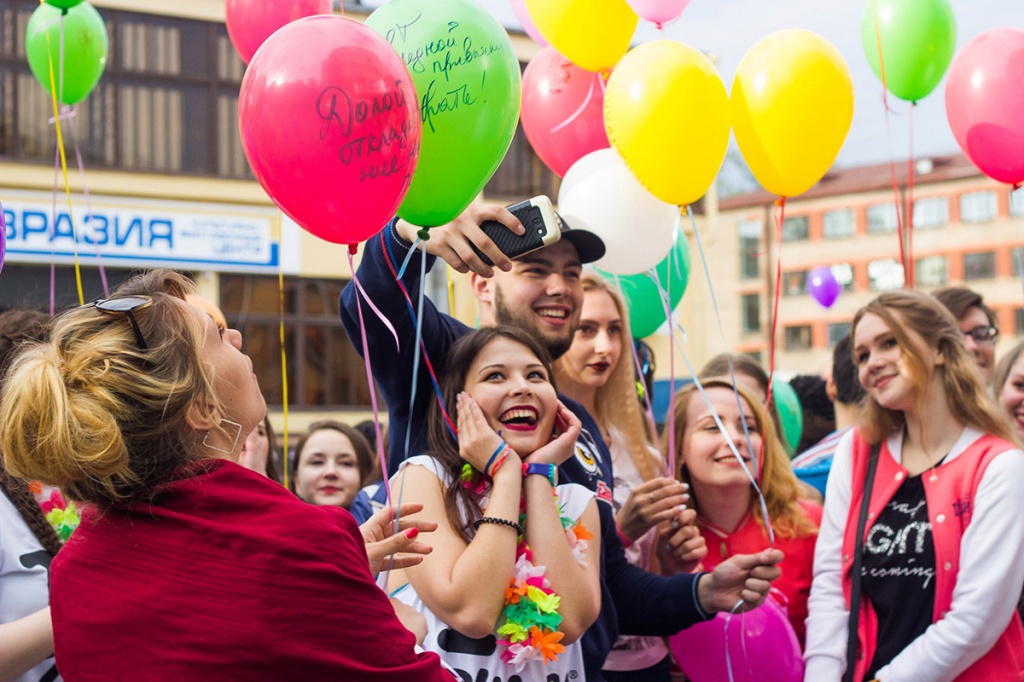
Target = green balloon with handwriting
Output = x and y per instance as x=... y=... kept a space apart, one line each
x=85 y=49
x=469 y=86
x=646 y=309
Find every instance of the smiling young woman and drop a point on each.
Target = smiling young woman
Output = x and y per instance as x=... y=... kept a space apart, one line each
x=917 y=567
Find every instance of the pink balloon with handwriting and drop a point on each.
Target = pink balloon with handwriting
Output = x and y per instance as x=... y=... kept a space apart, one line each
x=658 y=11
x=563 y=110
x=251 y=22
x=985 y=103
x=330 y=124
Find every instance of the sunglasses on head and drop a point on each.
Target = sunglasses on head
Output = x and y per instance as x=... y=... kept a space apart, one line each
x=125 y=305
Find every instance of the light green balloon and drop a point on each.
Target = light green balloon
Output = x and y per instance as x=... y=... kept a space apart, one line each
x=646 y=310
x=918 y=38
x=791 y=414
x=470 y=89
x=85 y=49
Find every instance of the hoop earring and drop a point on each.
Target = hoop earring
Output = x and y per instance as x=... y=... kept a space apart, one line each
x=238 y=434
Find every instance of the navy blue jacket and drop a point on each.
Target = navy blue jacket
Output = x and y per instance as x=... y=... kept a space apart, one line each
x=633 y=601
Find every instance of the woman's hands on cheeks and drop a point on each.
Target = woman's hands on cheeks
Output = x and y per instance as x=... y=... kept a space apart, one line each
x=453 y=242
x=742 y=578
x=382 y=542
x=563 y=444
x=652 y=502
x=477 y=440
x=680 y=545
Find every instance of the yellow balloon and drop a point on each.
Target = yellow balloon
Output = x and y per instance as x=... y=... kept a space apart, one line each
x=667 y=114
x=792 y=104
x=593 y=34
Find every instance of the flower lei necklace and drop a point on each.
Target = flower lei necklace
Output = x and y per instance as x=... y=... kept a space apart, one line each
x=531 y=618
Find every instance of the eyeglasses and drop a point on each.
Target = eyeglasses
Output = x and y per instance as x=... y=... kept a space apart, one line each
x=126 y=305
x=983 y=335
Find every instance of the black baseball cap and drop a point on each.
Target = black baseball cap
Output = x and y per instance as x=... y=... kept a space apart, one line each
x=588 y=245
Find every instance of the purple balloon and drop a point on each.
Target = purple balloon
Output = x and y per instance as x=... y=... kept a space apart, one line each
x=761 y=646
x=822 y=285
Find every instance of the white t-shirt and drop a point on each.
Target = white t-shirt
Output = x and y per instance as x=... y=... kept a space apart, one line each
x=24 y=578
x=480 y=659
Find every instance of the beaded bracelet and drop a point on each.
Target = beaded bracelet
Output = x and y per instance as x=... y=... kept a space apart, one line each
x=497 y=521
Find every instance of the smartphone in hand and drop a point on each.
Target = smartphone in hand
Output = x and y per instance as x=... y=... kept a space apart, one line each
x=542 y=228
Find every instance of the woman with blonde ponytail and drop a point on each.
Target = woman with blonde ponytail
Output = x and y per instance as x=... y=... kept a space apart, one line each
x=136 y=408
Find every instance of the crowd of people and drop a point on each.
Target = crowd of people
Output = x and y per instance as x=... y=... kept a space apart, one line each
x=541 y=530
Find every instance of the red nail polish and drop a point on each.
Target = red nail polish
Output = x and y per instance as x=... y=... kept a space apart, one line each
x=412 y=533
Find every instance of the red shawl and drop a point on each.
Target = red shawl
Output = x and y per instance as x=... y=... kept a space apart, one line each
x=225 y=576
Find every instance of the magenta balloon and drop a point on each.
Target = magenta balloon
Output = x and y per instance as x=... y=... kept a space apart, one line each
x=526 y=21
x=658 y=11
x=331 y=126
x=250 y=22
x=563 y=110
x=822 y=285
x=761 y=642
x=985 y=103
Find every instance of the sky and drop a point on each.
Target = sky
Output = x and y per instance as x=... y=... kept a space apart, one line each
x=726 y=29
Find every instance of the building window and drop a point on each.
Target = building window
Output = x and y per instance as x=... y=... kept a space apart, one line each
x=751 y=313
x=838 y=223
x=1018 y=321
x=1016 y=260
x=28 y=286
x=795 y=229
x=978 y=207
x=1017 y=202
x=798 y=337
x=750 y=248
x=167 y=102
x=931 y=212
x=882 y=218
x=980 y=265
x=837 y=331
x=521 y=173
x=843 y=272
x=794 y=283
x=885 y=274
x=324 y=370
x=931 y=271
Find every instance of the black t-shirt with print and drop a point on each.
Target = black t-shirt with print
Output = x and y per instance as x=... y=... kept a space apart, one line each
x=898 y=572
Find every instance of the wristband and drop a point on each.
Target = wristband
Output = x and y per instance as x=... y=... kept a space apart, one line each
x=549 y=471
x=497 y=451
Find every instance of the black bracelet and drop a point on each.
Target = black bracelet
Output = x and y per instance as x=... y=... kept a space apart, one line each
x=500 y=522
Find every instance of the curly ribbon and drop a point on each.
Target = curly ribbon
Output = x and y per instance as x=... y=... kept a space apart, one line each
x=780 y=218
x=586 y=102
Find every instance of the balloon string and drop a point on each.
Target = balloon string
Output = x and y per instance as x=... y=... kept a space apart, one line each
x=451 y=290
x=416 y=344
x=369 y=375
x=721 y=332
x=910 y=199
x=888 y=133
x=284 y=364
x=576 y=114
x=53 y=233
x=390 y=260
x=70 y=112
x=780 y=217
x=63 y=163
x=369 y=302
x=670 y=418
x=732 y=446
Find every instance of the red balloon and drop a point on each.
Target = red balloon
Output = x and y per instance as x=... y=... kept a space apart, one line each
x=985 y=103
x=330 y=124
x=251 y=22
x=563 y=110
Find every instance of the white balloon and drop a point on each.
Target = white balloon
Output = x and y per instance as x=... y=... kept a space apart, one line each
x=600 y=191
